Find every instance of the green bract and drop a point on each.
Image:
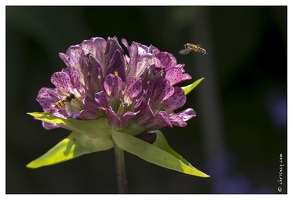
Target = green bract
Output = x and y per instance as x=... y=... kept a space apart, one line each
x=84 y=139
x=190 y=87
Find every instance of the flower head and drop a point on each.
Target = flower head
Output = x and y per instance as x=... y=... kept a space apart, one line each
x=106 y=95
x=134 y=90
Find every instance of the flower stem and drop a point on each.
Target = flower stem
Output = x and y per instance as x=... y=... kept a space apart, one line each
x=120 y=170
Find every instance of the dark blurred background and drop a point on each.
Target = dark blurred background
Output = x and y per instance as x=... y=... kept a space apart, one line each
x=241 y=125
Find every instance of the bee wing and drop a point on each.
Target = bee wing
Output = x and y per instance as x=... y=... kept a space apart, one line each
x=198 y=45
x=184 y=51
x=72 y=106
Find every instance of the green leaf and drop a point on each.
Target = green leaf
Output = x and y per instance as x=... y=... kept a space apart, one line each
x=75 y=145
x=91 y=128
x=190 y=87
x=159 y=153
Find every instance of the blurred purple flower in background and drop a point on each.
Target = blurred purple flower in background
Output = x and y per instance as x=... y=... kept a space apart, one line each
x=276 y=105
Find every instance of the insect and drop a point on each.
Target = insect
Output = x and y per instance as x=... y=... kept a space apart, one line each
x=62 y=102
x=192 y=48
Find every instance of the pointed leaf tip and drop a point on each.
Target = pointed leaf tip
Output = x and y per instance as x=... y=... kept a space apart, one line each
x=190 y=87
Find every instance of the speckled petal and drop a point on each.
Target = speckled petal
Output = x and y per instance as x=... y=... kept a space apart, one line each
x=101 y=100
x=175 y=75
x=76 y=81
x=167 y=60
x=146 y=63
x=163 y=90
x=133 y=87
x=62 y=81
x=113 y=85
x=177 y=100
x=75 y=54
x=46 y=97
x=159 y=121
x=187 y=114
x=177 y=121
x=186 y=77
x=180 y=119
x=143 y=49
x=88 y=46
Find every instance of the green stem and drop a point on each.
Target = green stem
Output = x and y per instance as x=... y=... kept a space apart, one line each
x=120 y=170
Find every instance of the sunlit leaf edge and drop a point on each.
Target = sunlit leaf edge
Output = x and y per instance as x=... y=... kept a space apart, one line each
x=190 y=87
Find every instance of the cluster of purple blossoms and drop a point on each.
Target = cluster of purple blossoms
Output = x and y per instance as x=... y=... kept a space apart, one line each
x=132 y=91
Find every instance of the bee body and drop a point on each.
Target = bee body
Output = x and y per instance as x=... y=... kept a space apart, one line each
x=62 y=102
x=192 y=48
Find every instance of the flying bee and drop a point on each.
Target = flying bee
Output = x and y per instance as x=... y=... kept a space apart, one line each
x=192 y=48
x=62 y=102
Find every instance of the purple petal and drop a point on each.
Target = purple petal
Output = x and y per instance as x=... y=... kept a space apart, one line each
x=163 y=90
x=62 y=81
x=144 y=115
x=143 y=49
x=111 y=47
x=145 y=63
x=91 y=105
x=65 y=59
x=117 y=64
x=175 y=101
x=133 y=55
x=177 y=121
x=167 y=60
x=99 y=49
x=133 y=87
x=75 y=54
x=175 y=74
x=124 y=41
x=101 y=100
x=139 y=100
x=49 y=126
x=159 y=121
x=113 y=119
x=88 y=47
x=113 y=85
x=180 y=119
x=186 y=77
x=76 y=81
x=46 y=97
x=150 y=90
x=94 y=75
x=127 y=118
x=187 y=114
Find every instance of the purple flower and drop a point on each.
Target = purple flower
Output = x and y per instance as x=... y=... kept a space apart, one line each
x=107 y=94
x=135 y=91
